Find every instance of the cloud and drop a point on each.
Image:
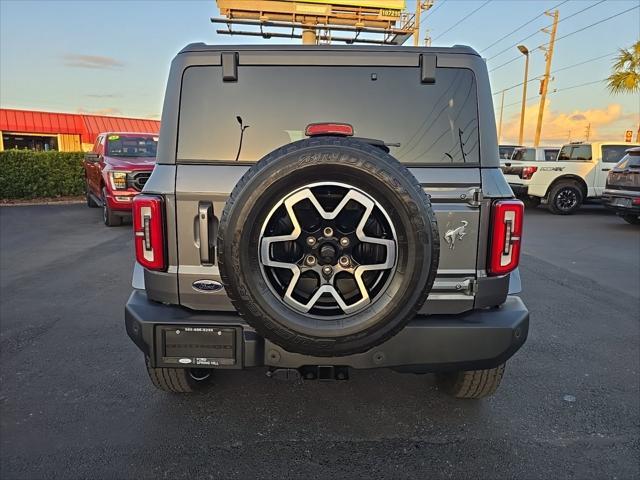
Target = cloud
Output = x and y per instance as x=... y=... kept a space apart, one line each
x=607 y=123
x=91 y=61
x=103 y=111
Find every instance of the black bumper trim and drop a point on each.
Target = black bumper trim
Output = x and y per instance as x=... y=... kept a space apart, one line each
x=474 y=340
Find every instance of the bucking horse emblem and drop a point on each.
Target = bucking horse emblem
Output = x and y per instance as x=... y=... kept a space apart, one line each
x=455 y=234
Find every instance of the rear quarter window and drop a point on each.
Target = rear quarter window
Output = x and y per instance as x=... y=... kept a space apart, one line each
x=576 y=153
x=613 y=153
x=432 y=123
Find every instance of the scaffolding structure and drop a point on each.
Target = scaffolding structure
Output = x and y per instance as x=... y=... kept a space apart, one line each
x=384 y=22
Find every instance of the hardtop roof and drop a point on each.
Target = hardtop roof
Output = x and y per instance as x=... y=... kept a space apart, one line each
x=202 y=47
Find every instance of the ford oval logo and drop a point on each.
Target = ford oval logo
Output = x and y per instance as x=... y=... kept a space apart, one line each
x=206 y=286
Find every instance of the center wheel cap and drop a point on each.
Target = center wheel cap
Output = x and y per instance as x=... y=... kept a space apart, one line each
x=328 y=253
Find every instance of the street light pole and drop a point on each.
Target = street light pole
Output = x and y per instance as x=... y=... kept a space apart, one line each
x=525 y=51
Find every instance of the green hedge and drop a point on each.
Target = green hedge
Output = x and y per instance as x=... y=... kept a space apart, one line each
x=27 y=174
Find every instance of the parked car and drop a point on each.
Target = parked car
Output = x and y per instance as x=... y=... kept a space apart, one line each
x=116 y=170
x=622 y=192
x=506 y=151
x=579 y=173
x=329 y=255
x=535 y=154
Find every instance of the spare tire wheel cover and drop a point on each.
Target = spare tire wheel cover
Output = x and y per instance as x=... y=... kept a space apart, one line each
x=328 y=246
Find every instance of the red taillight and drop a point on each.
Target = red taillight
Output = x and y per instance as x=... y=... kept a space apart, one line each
x=343 y=129
x=506 y=236
x=635 y=201
x=148 y=228
x=527 y=172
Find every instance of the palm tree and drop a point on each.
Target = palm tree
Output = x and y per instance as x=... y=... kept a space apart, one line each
x=626 y=71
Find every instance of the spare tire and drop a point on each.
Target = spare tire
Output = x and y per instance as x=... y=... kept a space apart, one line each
x=328 y=246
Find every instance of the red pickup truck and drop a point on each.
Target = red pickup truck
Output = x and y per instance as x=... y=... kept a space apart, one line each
x=116 y=170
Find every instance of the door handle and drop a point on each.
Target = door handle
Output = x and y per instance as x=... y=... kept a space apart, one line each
x=606 y=169
x=206 y=233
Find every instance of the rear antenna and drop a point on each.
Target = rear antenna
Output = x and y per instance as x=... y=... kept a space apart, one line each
x=242 y=129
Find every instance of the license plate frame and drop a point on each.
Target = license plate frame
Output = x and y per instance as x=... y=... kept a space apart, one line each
x=198 y=346
x=622 y=202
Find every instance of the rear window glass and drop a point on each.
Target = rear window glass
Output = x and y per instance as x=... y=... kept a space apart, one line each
x=551 y=155
x=613 y=153
x=526 y=154
x=431 y=123
x=575 y=153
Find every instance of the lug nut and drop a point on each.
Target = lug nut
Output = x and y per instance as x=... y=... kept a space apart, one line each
x=328 y=232
x=327 y=270
x=310 y=260
x=344 y=241
x=344 y=261
x=311 y=241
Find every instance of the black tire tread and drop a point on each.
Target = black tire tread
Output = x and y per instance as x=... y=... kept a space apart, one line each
x=237 y=301
x=172 y=380
x=554 y=191
x=473 y=384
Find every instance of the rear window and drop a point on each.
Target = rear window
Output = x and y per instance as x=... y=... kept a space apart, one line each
x=613 y=153
x=575 y=153
x=550 y=155
x=432 y=124
x=526 y=154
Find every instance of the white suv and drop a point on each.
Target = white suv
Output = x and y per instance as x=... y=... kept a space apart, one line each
x=580 y=172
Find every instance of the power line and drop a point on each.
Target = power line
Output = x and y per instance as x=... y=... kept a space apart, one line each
x=557 y=91
x=538 y=31
x=593 y=24
x=462 y=20
x=566 y=35
x=435 y=9
x=522 y=26
x=556 y=71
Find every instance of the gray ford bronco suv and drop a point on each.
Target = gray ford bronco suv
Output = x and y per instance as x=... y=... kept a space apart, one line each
x=320 y=209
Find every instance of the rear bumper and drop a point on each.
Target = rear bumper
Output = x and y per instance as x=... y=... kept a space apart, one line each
x=475 y=340
x=622 y=201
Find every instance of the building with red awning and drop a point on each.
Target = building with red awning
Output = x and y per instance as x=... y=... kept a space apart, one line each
x=66 y=132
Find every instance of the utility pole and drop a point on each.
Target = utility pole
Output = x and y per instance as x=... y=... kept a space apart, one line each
x=547 y=73
x=525 y=51
x=420 y=6
x=587 y=132
x=500 y=124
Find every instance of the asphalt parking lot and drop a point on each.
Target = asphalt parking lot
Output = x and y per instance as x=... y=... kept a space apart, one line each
x=75 y=401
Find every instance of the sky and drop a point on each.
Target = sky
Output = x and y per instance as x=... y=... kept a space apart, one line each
x=112 y=57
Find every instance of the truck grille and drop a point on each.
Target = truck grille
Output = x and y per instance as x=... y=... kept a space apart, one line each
x=137 y=180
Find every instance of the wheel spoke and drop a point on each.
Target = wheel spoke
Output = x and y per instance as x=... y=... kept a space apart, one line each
x=327 y=284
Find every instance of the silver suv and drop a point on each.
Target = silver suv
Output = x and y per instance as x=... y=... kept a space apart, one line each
x=320 y=209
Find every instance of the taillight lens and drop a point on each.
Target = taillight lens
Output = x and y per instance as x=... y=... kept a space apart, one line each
x=148 y=228
x=527 y=172
x=341 y=129
x=506 y=237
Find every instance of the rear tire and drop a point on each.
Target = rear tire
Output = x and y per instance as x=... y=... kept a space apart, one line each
x=472 y=384
x=178 y=380
x=565 y=198
x=110 y=219
x=632 y=219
